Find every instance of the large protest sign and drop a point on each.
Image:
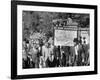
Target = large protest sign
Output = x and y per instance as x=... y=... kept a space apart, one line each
x=65 y=37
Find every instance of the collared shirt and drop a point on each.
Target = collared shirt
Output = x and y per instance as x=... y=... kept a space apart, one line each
x=46 y=52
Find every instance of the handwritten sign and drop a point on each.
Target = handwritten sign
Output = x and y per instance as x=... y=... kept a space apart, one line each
x=64 y=37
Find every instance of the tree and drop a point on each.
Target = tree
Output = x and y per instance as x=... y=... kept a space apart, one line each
x=39 y=21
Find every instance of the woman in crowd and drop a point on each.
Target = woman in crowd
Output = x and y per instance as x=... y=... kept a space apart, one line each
x=63 y=57
x=25 y=54
x=45 y=52
x=51 y=61
x=42 y=62
x=80 y=53
x=24 y=58
x=35 y=55
x=86 y=53
x=57 y=55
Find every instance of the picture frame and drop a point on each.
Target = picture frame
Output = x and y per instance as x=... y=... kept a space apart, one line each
x=17 y=9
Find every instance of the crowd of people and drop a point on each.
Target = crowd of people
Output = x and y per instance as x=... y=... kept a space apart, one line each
x=44 y=54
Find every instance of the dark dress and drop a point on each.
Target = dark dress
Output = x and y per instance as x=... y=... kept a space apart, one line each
x=51 y=63
x=63 y=60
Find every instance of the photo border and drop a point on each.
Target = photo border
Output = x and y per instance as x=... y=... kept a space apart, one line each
x=14 y=39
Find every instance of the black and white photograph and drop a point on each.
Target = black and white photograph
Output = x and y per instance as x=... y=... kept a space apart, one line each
x=53 y=39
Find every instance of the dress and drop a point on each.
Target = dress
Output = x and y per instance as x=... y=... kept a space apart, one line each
x=51 y=63
x=35 y=57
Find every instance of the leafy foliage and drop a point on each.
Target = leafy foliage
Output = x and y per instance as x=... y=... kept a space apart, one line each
x=36 y=21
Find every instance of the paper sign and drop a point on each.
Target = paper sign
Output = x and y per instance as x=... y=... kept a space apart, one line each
x=64 y=37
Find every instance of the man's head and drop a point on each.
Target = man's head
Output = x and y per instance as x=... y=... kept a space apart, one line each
x=34 y=45
x=75 y=41
x=80 y=41
x=47 y=44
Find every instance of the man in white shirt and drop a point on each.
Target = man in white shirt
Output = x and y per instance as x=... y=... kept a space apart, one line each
x=76 y=50
x=46 y=50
